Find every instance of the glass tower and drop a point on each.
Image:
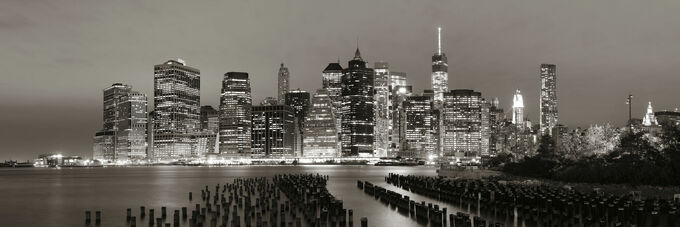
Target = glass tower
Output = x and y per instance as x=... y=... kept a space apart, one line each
x=176 y=104
x=357 y=108
x=548 y=98
x=235 y=115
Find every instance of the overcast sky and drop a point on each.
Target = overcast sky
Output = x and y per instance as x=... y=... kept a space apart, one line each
x=56 y=56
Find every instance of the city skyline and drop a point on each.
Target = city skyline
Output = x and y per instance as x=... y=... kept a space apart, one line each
x=580 y=101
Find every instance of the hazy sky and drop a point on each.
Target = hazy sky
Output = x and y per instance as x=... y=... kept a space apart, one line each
x=56 y=56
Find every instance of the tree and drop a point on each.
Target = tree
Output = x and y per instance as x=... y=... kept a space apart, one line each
x=546 y=148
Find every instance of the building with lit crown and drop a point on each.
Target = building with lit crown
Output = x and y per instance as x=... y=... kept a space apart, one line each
x=440 y=68
x=518 y=109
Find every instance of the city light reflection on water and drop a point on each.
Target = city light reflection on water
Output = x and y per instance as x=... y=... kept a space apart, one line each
x=50 y=197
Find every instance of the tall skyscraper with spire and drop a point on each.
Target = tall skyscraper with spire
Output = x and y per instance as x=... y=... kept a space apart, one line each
x=284 y=83
x=357 y=108
x=548 y=98
x=235 y=115
x=518 y=109
x=440 y=68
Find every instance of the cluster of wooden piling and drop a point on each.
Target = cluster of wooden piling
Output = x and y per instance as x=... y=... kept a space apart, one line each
x=259 y=202
x=541 y=205
x=308 y=194
x=427 y=213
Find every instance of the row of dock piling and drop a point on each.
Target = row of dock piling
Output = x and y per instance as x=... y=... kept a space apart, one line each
x=542 y=205
x=286 y=200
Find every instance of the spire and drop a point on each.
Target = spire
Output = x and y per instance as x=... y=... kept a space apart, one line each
x=281 y=64
x=439 y=40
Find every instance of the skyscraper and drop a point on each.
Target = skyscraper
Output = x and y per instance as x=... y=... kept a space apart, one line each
x=420 y=135
x=321 y=136
x=357 y=108
x=383 y=115
x=131 y=133
x=176 y=104
x=235 y=115
x=332 y=82
x=462 y=123
x=496 y=121
x=440 y=68
x=273 y=131
x=284 y=83
x=548 y=98
x=124 y=133
x=518 y=109
x=399 y=95
x=299 y=100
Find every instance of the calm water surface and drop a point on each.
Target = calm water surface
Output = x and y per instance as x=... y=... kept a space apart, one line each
x=59 y=197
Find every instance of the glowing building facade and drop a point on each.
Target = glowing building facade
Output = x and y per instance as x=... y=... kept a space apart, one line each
x=383 y=115
x=131 y=132
x=419 y=127
x=321 y=136
x=548 y=98
x=462 y=123
x=440 y=68
x=398 y=141
x=235 y=115
x=284 y=83
x=176 y=104
x=518 y=109
x=273 y=131
x=357 y=108
x=332 y=83
x=649 y=119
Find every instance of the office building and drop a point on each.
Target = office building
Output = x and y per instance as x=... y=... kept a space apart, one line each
x=462 y=123
x=235 y=115
x=357 y=108
x=548 y=98
x=176 y=104
x=284 y=83
x=273 y=131
x=383 y=115
x=299 y=100
x=321 y=136
x=420 y=129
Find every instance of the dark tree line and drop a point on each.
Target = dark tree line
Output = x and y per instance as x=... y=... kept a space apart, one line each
x=634 y=161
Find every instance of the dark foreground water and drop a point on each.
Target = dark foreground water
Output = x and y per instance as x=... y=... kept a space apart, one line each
x=59 y=197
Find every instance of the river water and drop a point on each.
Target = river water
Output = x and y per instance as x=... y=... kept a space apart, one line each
x=60 y=197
